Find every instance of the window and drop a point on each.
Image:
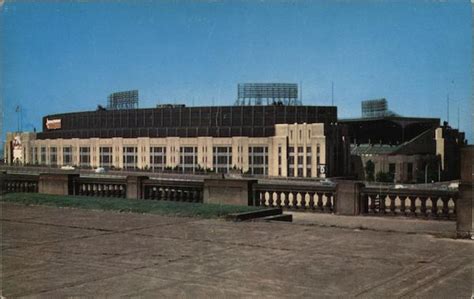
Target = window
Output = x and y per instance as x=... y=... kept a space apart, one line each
x=130 y=158
x=300 y=161
x=258 y=160
x=188 y=161
x=53 y=155
x=84 y=156
x=157 y=158
x=279 y=161
x=43 y=155
x=222 y=158
x=300 y=172
x=291 y=161
x=308 y=161
x=410 y=171
x=34 y=155
x=105 y=156
x=67 y=155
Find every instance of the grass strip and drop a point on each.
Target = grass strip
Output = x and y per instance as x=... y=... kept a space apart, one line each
x=168 y=208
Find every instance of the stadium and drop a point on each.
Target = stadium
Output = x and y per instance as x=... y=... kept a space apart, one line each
x=267 y=132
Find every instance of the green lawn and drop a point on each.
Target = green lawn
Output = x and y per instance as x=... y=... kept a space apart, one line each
x=168 y=208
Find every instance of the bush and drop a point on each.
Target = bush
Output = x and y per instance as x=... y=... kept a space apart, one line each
x=369 y=170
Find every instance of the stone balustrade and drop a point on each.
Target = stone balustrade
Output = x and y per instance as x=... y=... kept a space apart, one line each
x=171 y=190
x=345 y=197
x=18 y=183
x=100 y=187
x=435 y=204
x=296 y=197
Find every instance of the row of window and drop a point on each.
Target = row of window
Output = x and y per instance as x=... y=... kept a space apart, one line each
x=222 y=158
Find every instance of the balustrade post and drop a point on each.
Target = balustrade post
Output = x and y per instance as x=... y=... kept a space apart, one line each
x=55 y=183
x=434 y=206
x=236 y=191
x=157 y=193
x=382 y=207
x=412 y=206
x=320 y=201
x=403 y=198
x=392 y=203
x=134 y=189
x=275 y=198
x=260 y=198
x=286 y=201
x=445 y=207
x=311 y=201
x=292 y=203
x=177 y=194
x=295 y=200
x=347 y=198
x=115 y=191
x=328 y=207
x=304 y=205
x=423 y=205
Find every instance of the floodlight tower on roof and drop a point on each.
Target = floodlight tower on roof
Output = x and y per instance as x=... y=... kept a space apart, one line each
x=271 y=93
x=123 y=100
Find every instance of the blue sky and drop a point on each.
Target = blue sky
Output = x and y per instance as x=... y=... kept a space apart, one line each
x=68 y=56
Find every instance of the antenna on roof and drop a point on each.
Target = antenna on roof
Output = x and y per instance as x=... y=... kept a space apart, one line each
x=447 y=112
x=332 y=93
x=459 y=128
x=19 y=110
x=301 y=92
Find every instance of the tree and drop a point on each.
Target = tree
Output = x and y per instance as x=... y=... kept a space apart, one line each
x=384 y=177
x=369 y=170
x=431 y=173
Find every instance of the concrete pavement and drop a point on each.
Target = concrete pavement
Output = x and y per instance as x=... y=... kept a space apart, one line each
x=438 y=228
x=70 y=252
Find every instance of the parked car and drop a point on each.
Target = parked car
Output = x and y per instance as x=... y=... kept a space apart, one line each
x=67 y=167
x=99 y=170
x=453 y=185
x=327 y=182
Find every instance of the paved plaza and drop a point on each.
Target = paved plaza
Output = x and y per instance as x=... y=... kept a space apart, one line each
x=70 y=252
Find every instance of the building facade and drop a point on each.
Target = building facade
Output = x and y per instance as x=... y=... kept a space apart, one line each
x=288 y=141
x=432 y=155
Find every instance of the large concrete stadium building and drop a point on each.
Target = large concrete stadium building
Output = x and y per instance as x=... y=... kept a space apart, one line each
x=274 y=140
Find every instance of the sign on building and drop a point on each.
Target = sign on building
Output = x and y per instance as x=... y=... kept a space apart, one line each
x=53 y=124
x=322 y=169
x=17 y=149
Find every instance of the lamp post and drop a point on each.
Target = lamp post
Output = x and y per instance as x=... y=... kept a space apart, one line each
x=426 y=173
x=439 y=171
